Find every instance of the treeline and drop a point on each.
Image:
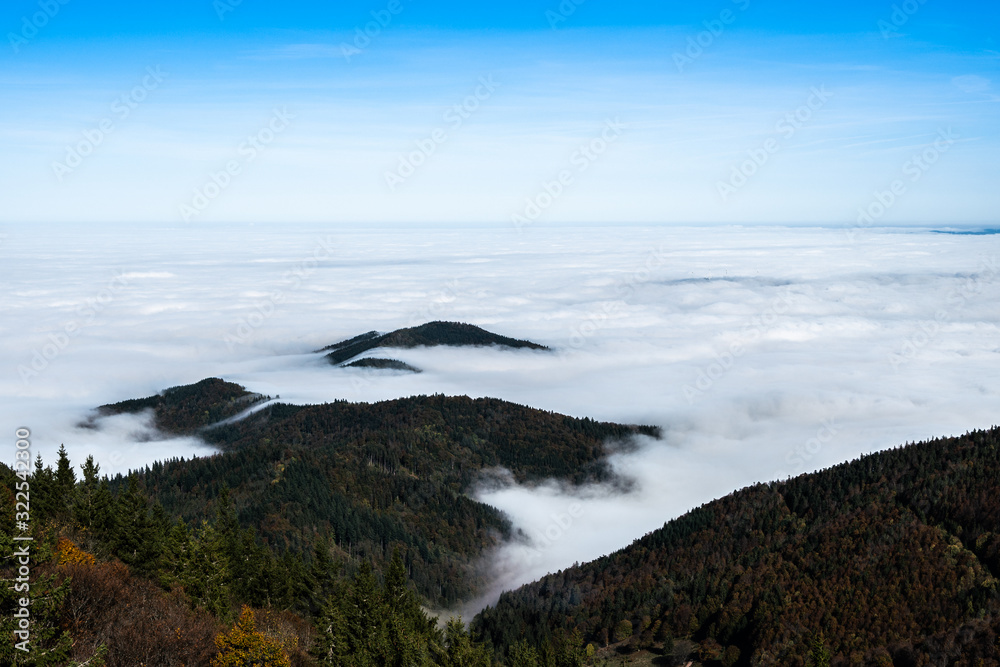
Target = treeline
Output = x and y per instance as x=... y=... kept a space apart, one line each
x=892 y=559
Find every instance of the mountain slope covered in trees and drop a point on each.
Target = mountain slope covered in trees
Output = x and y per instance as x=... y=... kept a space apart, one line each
x=892 y=559
x=371 y=477
x=115 y=582
x=426 y=335
x=189 y=408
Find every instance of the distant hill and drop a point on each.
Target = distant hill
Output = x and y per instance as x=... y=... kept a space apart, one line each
x=371 y=476
x=426 y=335
x=892 y=559
x=186 y=409
x=382 y=364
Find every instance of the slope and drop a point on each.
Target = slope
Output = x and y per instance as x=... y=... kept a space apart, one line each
x=375 y=476
x=890 y=559
x=426 y=335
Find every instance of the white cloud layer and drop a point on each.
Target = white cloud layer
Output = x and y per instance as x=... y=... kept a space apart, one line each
x=760 y=352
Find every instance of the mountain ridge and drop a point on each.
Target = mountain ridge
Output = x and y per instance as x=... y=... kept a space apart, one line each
x=773 y=573
x=371 y=476
x=431 y=334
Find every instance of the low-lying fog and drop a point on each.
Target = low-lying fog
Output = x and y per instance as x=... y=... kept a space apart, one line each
x=761 y=353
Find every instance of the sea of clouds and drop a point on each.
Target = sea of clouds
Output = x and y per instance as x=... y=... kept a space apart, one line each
x=760 y=352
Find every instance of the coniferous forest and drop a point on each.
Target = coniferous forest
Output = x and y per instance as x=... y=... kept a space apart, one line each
x=323 y=535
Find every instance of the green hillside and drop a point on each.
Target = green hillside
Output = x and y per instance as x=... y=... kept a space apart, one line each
x=372 y=477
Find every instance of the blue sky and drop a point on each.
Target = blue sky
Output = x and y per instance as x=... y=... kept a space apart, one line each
x=522 y=113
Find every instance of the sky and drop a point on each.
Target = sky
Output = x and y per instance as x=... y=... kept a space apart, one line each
x=202 y=112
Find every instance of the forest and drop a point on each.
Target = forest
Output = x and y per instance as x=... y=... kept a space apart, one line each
x=369 y=478
x=117 y=582
x=428 y=335
x=892 y=559
x=325 y=535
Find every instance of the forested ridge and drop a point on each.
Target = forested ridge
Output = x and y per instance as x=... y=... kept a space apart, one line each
x=430 y=334
x=891 y=559
x=371 y=478
x=319 y=535
x=382 y=364
x=189 y=408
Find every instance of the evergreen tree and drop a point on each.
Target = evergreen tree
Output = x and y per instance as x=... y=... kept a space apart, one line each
x=43 y=493
x=206 y=576
x=65 y=477
x=85 y=509
x=522 y=654
x=819 y=653
x=330 y=646
x=319 y=582
x=462 y=652
x=135 y=538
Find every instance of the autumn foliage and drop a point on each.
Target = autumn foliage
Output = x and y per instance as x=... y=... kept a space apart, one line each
x=893 y=557
x=132 y=618
x=70 y=554
x=245 y=646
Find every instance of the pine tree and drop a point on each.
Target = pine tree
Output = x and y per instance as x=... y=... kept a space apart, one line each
x=522 y=654
x=330 y=646
x=206 y=576
x=43 y=492
x=321 y=578
x=65 y=476
x=819 y=653
x=462 y=652
x=102 y=517
x=135 y=538
x=84 y=510
x=364 y=617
